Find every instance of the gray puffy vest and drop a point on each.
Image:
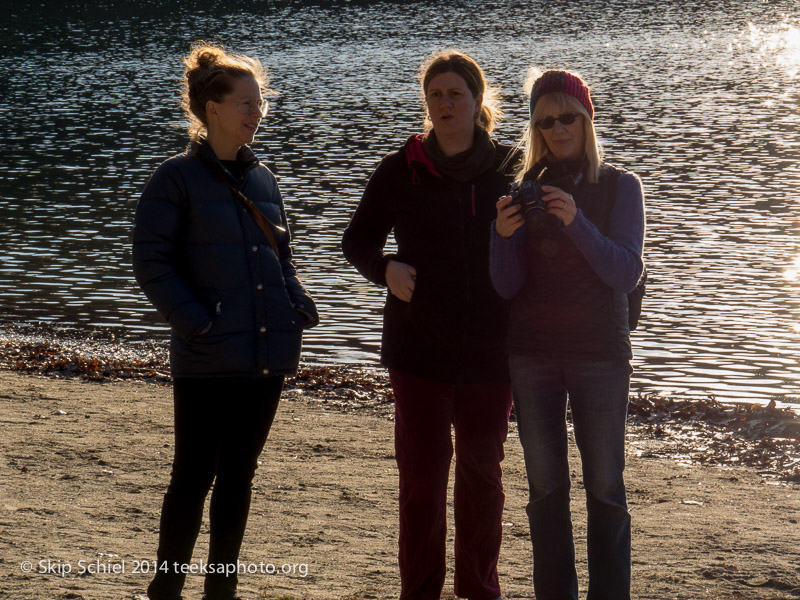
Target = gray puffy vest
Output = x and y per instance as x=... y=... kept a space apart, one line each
x=564 y=310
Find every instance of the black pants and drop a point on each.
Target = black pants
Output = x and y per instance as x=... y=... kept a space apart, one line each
x=221 y=425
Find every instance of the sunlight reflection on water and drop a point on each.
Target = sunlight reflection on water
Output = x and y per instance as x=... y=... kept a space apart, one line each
x=700 y=102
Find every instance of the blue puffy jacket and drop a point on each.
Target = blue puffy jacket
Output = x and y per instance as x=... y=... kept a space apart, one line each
x=210 y=271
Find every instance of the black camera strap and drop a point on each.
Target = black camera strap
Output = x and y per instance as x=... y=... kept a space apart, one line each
x=568 y=174
x=536 y=170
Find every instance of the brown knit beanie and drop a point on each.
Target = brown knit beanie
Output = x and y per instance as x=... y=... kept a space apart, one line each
x=562 y=81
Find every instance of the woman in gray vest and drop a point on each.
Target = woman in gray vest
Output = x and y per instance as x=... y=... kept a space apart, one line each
x=211 y=252
x=566 y=249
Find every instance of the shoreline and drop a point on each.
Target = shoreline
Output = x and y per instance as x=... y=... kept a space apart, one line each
x=705 y=432
x=95 y=352
x=86 y=463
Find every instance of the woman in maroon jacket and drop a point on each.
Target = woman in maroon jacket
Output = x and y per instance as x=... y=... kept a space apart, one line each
x=444 y=326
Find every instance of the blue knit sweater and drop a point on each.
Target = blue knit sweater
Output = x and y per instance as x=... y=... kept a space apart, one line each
x=616 y=258
x=568 y=285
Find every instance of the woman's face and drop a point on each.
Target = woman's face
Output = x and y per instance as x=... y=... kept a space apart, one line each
x=236 y=117
x=565 y=142
x=451 y=105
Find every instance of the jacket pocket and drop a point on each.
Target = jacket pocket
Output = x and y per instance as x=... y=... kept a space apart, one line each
x=213 y=301
x=282 y=315
x=425 y=309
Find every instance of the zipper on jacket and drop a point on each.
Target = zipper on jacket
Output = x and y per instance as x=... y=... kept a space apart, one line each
x=473 y=199
x=467 y=298
x=218 y=308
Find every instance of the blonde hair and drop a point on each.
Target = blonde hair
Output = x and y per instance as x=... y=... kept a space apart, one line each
x=209 y=74
x=457 y=62
x=533 y=144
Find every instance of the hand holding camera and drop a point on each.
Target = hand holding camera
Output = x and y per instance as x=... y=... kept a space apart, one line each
x=538 y=198
x=559 y=204
x=540 y=194
x=509 y=217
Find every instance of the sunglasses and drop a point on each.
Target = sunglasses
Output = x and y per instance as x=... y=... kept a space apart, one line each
x=565 y=119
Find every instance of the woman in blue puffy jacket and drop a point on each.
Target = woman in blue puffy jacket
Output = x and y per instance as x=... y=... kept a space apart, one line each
x=228 y=289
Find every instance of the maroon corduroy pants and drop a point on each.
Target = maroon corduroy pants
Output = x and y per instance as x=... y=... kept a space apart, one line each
x=425 y=411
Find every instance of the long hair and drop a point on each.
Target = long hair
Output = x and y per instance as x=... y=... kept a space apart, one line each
x=459 y=63
x=535 y=148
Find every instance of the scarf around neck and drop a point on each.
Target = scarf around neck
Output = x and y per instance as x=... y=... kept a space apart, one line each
x=466 y=165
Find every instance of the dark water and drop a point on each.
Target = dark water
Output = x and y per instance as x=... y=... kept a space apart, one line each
x=702 y=103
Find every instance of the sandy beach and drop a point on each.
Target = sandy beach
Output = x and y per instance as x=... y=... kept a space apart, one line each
x=85 y=465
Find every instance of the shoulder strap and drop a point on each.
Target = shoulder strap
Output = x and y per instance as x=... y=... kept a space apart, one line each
x=611 y=177
x=261 y=220
x=635 y=296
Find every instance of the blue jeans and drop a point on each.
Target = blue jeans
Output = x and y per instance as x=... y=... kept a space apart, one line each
x=598 y=397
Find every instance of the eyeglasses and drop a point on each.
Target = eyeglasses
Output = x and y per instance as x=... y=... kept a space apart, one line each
x=249 y=106
x=565 y=119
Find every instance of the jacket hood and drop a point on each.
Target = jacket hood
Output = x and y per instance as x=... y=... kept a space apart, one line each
x=414 y=149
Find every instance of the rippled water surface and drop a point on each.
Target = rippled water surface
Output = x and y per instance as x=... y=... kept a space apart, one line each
x=702 y=103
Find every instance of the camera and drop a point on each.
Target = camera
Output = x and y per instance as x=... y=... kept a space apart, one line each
x=529 y=196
